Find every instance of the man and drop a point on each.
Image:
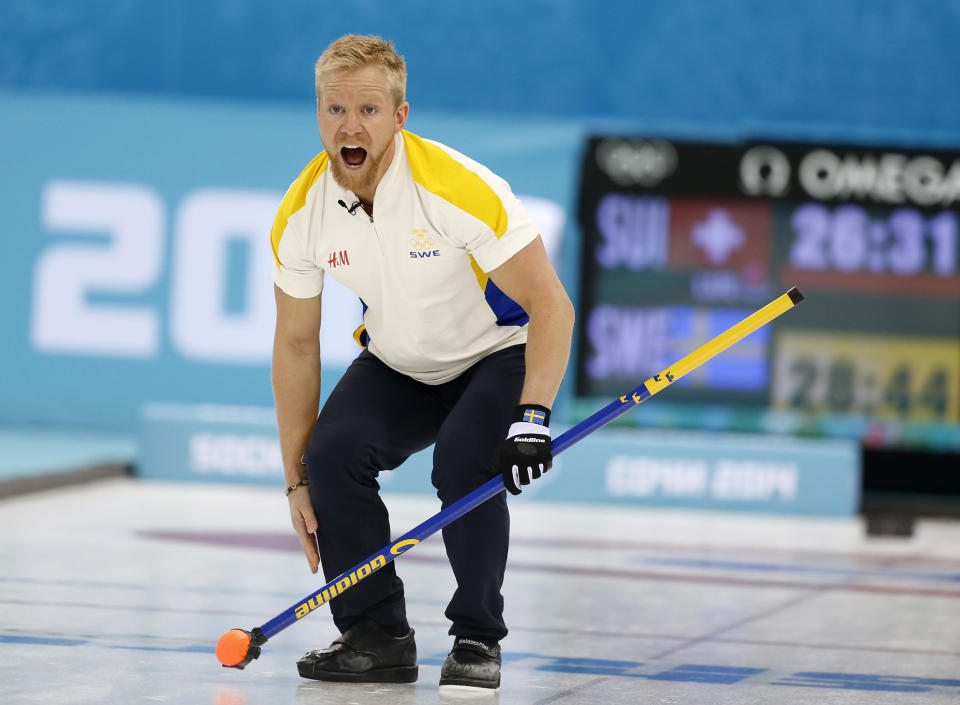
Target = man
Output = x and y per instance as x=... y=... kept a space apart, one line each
x=467 y=333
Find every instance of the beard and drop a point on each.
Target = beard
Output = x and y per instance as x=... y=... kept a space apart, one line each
x=362 y=180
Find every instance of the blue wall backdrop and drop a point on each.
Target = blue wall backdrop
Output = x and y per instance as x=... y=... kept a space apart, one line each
x=870 y=69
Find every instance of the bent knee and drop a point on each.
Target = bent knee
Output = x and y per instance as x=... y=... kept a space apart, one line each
x=460 y=468
x=337 y=459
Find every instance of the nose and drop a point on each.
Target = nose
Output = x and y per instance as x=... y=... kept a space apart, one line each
x=351 y=123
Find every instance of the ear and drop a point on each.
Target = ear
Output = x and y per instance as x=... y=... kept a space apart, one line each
x=401 y=115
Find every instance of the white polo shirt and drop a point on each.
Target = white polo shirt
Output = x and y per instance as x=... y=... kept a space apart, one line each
x=440 y=222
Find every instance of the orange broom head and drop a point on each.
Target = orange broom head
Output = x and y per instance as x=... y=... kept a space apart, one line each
x=233 y=647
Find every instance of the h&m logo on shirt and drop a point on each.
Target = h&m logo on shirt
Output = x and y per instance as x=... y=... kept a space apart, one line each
x=422 y=245
x=338 y=258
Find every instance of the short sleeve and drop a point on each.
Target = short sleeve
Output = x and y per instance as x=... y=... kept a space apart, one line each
x=293 y=270
x=490 y=250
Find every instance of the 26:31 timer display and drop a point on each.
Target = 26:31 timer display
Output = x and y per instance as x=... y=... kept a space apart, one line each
x=847 y=239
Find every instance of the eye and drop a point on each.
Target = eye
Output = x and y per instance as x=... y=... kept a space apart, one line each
x=369 y=110
x=336 y=109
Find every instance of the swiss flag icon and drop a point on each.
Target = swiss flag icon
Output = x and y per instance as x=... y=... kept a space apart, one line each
x=716 y=234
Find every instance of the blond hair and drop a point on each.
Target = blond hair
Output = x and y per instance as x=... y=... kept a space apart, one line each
x=352 y=51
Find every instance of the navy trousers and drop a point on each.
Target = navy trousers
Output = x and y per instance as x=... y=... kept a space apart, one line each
x=374 y=419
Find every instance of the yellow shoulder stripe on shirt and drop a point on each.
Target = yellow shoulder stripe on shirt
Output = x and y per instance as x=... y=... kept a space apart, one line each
x=295 y=197
x=444 y=176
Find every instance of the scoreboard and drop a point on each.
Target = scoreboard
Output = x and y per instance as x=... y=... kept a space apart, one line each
x=683 y=239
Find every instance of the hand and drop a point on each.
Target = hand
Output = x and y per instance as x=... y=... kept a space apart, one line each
x=526 y=454
x=305 y=524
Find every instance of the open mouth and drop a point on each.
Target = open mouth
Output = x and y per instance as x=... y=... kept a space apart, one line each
x=353 y=156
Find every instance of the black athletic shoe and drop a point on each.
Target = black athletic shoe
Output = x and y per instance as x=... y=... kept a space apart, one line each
x=471 y=664
x=364 y=654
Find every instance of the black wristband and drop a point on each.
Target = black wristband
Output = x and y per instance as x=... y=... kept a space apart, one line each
x=302 y=483
x=532 y=413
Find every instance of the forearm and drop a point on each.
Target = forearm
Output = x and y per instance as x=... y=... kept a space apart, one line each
x=296 y=390
x=548 y=350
